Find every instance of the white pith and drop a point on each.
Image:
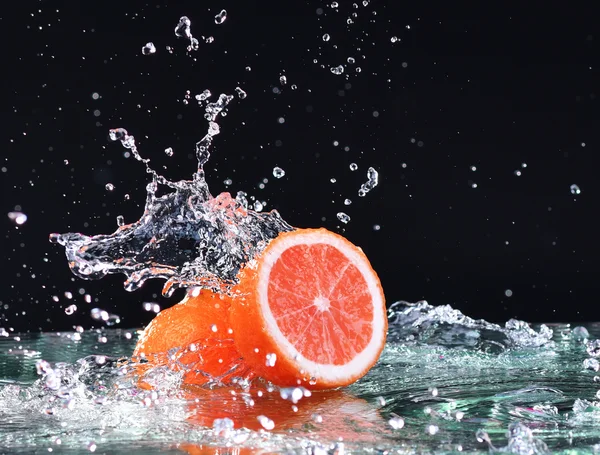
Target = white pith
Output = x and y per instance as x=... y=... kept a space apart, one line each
x=324 y=372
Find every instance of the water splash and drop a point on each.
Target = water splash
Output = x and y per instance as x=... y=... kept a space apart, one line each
x=187 y=236
x=521 y=441
x=444 y=325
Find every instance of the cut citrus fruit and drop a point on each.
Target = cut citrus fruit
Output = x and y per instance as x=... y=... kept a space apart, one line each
x=311 y=311
x=193 y=336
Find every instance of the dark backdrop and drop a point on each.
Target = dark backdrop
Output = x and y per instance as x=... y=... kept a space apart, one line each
x=497 y=89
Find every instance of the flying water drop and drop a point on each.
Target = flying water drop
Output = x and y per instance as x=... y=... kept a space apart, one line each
x=337 y=70
x=148 y=49
x=240 y=93
x=372 y=181
x=183 y=28
x=220 y=18
x=344 y=218
x=18 y=218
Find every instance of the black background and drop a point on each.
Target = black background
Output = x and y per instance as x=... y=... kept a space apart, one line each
x=462 y=87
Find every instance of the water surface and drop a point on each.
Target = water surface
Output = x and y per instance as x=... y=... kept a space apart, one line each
x=444 y=384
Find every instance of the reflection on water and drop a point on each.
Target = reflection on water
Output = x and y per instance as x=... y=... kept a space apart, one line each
x=434 y=390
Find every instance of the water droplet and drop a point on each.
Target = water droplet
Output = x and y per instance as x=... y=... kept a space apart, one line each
x=283 y=80
x=71 y=309
x=148 y=49
x=151 y=306
x=120 y=220
x=169 y=151
x=396 y=423
x=575 y=189
x=482 y=436
x=376 y=227
x=591 y=364
x=214 y=328
x=347 y=202
x=432 y=429
x=271 y=360
x=278 y=172
x=109 y=187
x=353 y=166
x=337 y=69
x=381 y=401
x=68 y=295
x=517 y=173
x=351 y=60
x=258 y=206
x=220 y=18
x=294 y=394
x=394 y=39
x=203 y=96
x=183 y=28
x=593 y=348
x=343 y=217
x=18 y=218
x=326 y=37
x=240 y=93
x=334 y=4
x=265 y=422
x=372 y=182
x=508 y=293
x=98 y=314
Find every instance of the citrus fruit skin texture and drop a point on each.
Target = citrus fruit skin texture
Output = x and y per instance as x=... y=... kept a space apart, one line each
x=325 y=280
x=193 y=335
